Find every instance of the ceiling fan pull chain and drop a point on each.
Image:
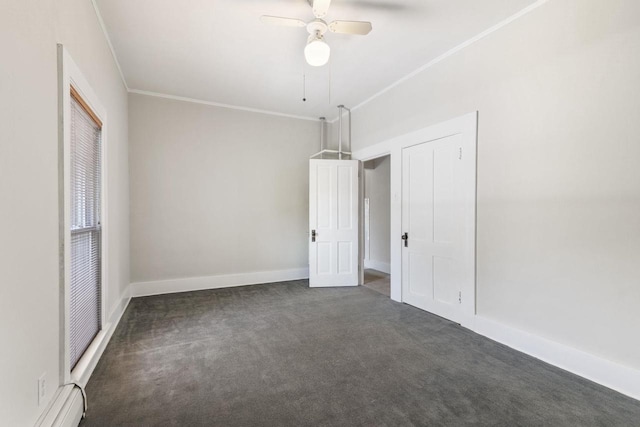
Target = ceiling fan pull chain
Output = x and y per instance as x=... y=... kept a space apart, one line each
x=304 y=87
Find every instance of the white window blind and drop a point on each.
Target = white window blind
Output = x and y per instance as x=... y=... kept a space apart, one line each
x=85 y=308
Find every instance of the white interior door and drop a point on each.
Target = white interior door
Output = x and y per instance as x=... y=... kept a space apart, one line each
x=434 y=212
x=333 y=223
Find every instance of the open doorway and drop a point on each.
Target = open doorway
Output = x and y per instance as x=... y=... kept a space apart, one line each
x=377 y=224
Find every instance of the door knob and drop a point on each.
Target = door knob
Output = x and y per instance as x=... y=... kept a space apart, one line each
x=405 y=237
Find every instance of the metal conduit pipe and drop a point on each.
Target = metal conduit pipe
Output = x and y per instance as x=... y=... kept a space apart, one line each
x=323 y=123
x=349 y=111
x=341 y=108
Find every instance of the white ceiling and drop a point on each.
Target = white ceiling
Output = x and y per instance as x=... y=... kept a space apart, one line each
x=219 y=51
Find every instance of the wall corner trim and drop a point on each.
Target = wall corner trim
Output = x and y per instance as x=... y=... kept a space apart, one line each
x=615 y=376
x=158 y=287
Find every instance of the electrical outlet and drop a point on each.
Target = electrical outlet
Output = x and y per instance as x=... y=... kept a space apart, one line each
x=42 y=388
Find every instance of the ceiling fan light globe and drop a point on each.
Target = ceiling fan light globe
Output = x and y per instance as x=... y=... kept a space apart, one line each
x=317 y=53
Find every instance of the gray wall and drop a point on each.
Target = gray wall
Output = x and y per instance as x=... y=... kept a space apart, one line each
x=29 y=285
x=216 y=191
x=558 y=228
x=377 y=188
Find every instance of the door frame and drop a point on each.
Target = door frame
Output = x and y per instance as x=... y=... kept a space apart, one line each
x=467 y=127
x=361 y=236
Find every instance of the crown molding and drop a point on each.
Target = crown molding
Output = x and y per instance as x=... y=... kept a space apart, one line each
x=450 y=52
x=398 y=82
x=217 y=104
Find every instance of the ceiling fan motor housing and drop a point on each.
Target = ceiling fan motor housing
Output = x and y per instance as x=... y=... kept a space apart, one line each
x=317 y=26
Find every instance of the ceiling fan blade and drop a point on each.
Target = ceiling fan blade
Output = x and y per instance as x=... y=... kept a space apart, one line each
x=351 y=27
x=286 y=22
x=320 y=8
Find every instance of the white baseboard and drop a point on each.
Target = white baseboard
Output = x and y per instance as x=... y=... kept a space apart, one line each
x=67 y=405
x=140 y=289
x=618 y=377
x=385 y=267
x=65 y=410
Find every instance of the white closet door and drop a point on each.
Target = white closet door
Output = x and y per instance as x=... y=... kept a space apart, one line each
x=333 y=223
x=433 y=212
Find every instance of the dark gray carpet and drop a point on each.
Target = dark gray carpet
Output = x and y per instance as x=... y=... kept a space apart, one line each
x=286 y=355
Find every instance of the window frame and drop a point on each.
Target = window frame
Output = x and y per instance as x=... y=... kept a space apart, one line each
x=71 y=76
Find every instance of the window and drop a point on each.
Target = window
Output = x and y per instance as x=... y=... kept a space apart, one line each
x=85 y=317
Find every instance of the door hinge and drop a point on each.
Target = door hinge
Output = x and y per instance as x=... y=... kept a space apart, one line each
x=460 y=297
x=460 y=154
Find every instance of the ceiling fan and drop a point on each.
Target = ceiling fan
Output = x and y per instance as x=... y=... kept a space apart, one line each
x=317 y=50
